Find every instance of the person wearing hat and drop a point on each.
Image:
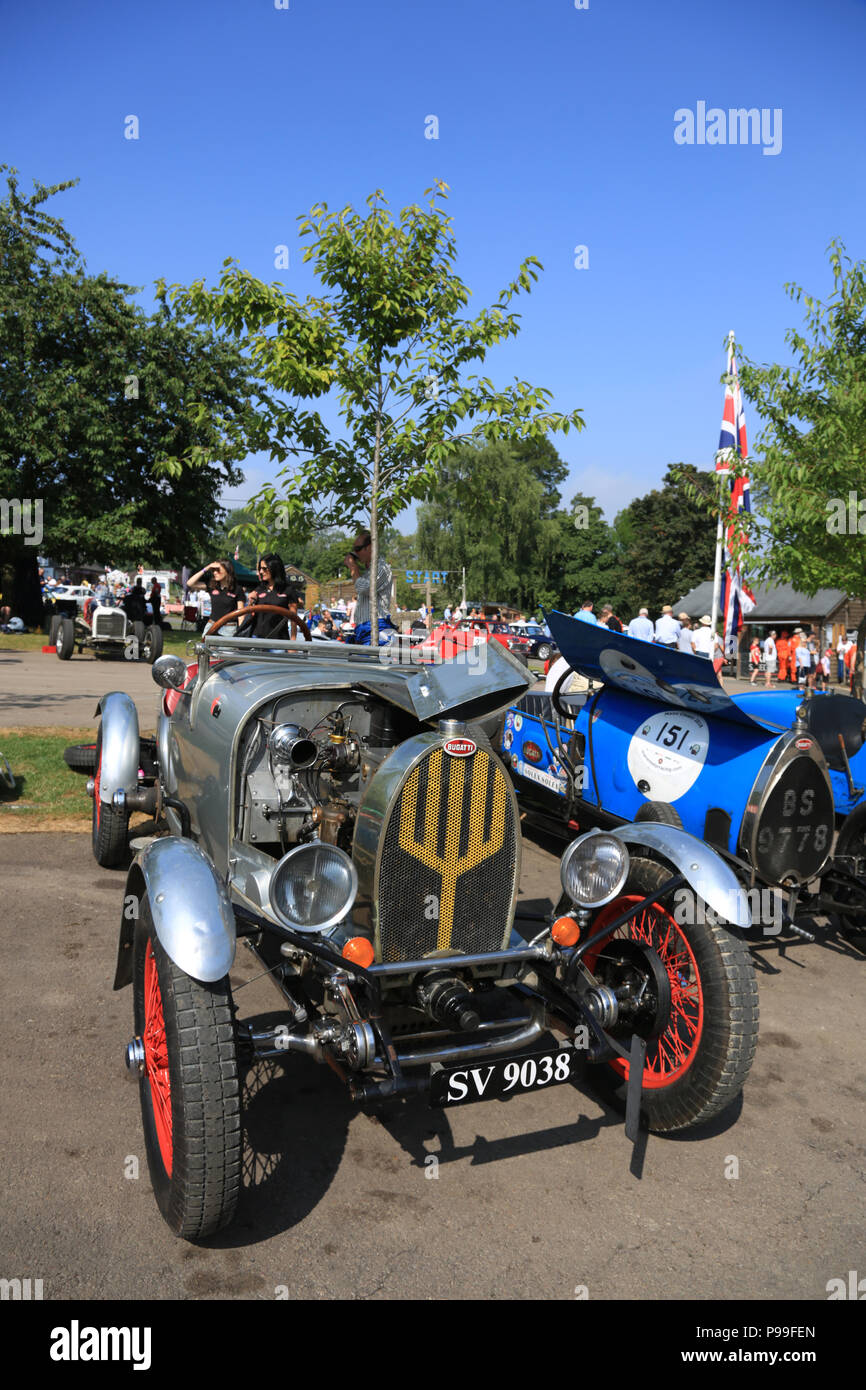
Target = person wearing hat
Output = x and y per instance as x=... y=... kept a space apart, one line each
x=667 y=628
x=686 y=639
x=704 y=643
x=804 y=659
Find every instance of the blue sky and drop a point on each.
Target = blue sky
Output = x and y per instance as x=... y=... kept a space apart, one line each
x=555 y=130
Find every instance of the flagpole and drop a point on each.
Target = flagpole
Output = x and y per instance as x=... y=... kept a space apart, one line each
x=717 y=572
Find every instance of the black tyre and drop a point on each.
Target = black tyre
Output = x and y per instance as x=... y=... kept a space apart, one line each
x=151 y=648
x=64 y=638
x=109 y=826
x=542 y=652
x=851 y=844
x=189 y=1088
x=699 y=1061
x=661 y=812
x=52 y=629
x=81 y=757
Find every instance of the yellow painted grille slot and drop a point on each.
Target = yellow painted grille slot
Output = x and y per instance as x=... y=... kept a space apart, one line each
x=451 y=856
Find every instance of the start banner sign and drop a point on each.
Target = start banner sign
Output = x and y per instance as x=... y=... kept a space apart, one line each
x=426 y=576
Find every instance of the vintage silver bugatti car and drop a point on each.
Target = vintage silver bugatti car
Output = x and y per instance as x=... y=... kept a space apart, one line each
x=343 y=810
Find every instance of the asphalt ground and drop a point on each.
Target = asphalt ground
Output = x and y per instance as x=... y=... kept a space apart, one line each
x=38 y=689
x=536 y=1198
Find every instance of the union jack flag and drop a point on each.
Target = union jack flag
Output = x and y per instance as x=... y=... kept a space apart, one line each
x=732 y=439
x=737 y=600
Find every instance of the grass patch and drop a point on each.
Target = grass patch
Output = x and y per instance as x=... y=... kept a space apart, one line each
x=45 y=788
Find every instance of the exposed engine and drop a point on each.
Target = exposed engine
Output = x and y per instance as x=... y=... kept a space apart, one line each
x=304 y=764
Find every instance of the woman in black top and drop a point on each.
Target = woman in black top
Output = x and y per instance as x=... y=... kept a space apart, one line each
x=225 y=593
x=273 y=588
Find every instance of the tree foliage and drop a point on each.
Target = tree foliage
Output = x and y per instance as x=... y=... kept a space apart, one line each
x=485 y=514
x=93 y=394
x=583 y=560
x=389 y=340
x=666 y=541
x=811 y=453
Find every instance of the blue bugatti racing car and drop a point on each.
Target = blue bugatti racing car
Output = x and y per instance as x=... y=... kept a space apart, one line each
x=765 y=779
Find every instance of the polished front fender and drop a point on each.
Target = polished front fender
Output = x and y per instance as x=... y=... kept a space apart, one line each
x=707 y=873
x=192 y=914
x=121 y=745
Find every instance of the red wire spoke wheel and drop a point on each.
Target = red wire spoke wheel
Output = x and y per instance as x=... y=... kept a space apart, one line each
x=156 y=1058
x=672 y=1053
x=699 y=1054
x=189 y=1087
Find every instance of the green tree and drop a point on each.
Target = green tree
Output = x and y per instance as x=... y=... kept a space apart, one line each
x=541 y=456
x=666 y=540
x=582 y=559
x=93 y=392
x=808 y=475
x=485 y=514
x=389 y=340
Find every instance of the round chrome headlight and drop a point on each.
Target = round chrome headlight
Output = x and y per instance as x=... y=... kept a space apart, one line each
x=313 y=887
x=594 y=868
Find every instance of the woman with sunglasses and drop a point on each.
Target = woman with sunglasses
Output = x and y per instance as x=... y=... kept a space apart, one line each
x=226 y=594
x=273 y=588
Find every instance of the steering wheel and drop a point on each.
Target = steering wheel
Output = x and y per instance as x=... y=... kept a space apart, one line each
x=563 y=712
x=294 y=621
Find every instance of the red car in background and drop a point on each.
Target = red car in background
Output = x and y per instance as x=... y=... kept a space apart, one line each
x=450 y=638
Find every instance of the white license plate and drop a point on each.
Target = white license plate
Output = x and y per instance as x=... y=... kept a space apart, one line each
x=502 y=1077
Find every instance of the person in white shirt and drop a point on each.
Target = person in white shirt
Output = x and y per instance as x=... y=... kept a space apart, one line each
x=686 y=638
x=804 y=660
x=841 y=648
x=704 y=643
x=557 y=668
x=667 y=628
x=641 y=627
x=771 y=659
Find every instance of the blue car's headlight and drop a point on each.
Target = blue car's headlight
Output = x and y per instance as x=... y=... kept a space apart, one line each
x=313 y=887
x=594 y=868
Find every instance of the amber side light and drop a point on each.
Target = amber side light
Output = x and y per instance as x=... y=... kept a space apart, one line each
x=565 y=931
x=360 y=951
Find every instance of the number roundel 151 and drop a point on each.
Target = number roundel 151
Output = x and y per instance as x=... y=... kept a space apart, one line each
x=667 y=752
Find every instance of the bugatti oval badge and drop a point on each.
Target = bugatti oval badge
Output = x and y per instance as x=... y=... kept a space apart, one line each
x=531 y=752
x=804 y=743
x=459 y=747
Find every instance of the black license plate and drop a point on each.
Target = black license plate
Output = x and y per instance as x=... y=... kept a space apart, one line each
x=501 y=1077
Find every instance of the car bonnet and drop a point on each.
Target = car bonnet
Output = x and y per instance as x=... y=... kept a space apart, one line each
x=664 y=675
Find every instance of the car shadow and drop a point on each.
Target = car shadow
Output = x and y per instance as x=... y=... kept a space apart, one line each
x=296 y=1119
x=829 y=936
x=10 y=794
x=296 y=1116
x=413 y=1126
